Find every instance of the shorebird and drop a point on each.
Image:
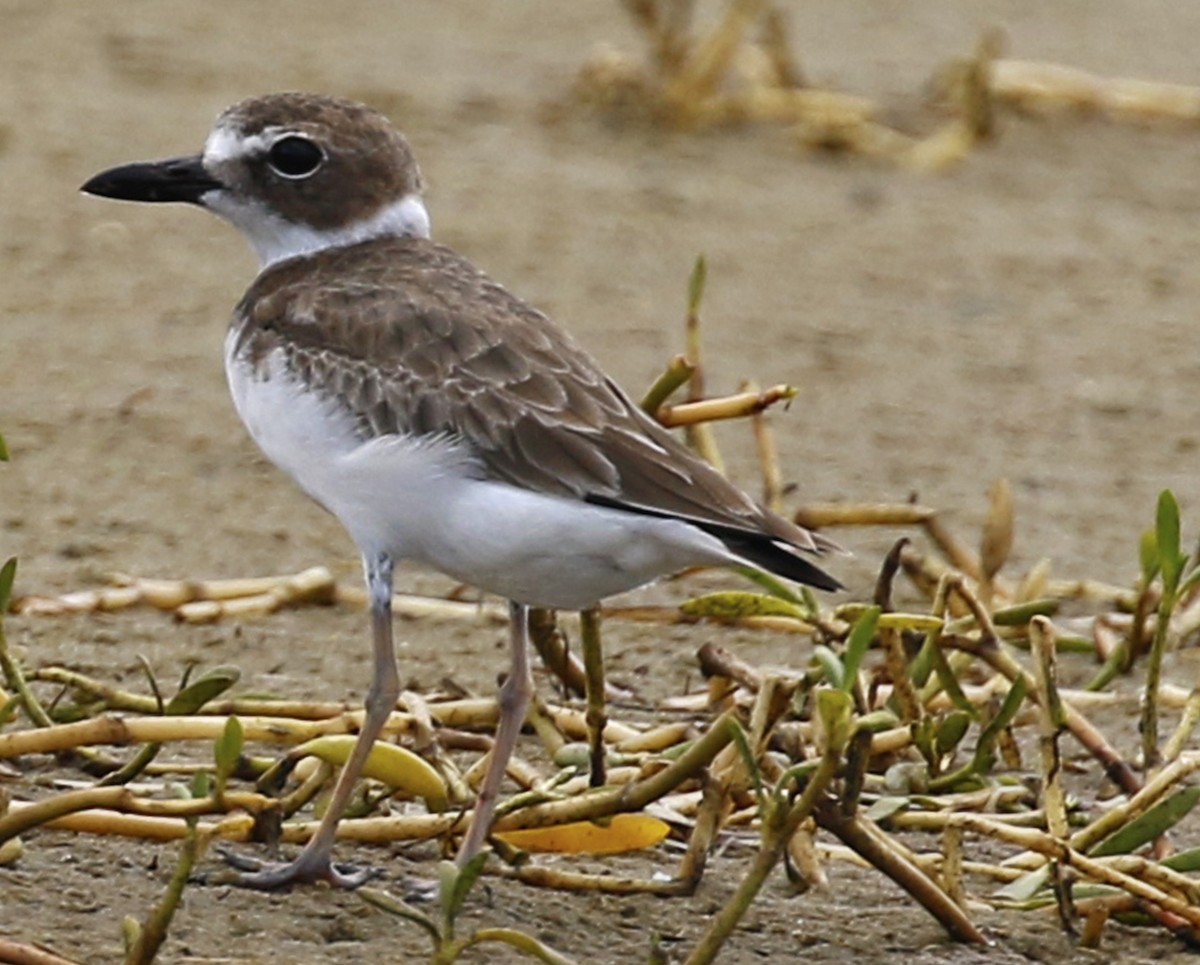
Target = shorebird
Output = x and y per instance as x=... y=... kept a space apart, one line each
x=439 y=417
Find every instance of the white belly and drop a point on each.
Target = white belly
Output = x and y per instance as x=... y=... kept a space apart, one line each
x=423 y=500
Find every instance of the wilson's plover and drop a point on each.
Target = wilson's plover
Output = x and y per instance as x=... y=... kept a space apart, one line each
x=440 y=418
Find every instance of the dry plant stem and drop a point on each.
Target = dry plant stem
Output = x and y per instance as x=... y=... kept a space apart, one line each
x=854 y=833
x=597 y=714
x=629 y=797
x=573 y=723
x=997 y=540
x=1117 y=769
x=780 y=820
x=887 y=575
x=823 y=515
x=561 y=879
x=116 y=699
x=952 y=864
x=699 y=435
x=708 y=822
x=1108 y=822
x=1138 y=803
x=768 y=459
x=911 y=709
x=1050 y=88
x=709 y=60
x=775 y=43
x=806 y=860
x=1101 y=909
x=1158 y=875
x=672 y=616
x=551 y=645
x=1187 y=724
x=21 y=819
x=1050 y=724
x=117 y=729
x=716 y=661
x=959 y=556
x=312 y=585
x=728 y=407
x=1096 y=869
x=112 y=729
x=990 y=650
x=16 y=953
x=909 y=702
x=1118 y=597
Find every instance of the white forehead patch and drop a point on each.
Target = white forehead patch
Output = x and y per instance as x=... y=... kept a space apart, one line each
x=227 y=143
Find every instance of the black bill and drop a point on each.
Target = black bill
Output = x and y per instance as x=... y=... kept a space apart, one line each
x=176 y=179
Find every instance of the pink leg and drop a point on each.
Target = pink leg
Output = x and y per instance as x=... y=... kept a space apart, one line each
x=315 y=861
x=514 y=702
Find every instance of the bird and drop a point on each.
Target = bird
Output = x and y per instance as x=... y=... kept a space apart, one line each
x=440 y=418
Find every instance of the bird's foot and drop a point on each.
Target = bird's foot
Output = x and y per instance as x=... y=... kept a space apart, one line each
x=307 y=867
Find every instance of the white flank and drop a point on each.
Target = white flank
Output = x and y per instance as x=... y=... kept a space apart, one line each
x=423 y=499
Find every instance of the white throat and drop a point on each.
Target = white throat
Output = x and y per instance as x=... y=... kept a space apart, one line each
x=275 y=239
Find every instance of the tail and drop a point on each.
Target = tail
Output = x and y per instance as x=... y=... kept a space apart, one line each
x=776 y=557
x=758 y=548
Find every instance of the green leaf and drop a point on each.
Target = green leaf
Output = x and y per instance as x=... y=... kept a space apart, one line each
x=456 y=885
x=877 y=721
x=1146 y=827
x=776 y=588
x=859 y=641
x=1148 y=556
x=1185 y=862
x=1025 y=887
x=984 y=750
x=887 y=806
x=201 y=786
x=227 y=749
x=922 y=735
x=1019 y=614
x=830 y=664
x=385 y=902
x=951 y=730
x=743 y=747
x=1166 y=532
x=835 y=709
x=8 y=573
x=199 y=692
x=526 y=944
x=696 y=284
x=3 y=450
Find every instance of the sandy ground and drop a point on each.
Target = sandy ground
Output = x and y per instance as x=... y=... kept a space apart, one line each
x=1027 y=314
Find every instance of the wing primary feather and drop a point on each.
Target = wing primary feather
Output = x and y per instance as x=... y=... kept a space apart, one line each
x=761 y=549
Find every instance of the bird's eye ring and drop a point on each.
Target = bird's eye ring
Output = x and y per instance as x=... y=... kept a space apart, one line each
x=295 y=157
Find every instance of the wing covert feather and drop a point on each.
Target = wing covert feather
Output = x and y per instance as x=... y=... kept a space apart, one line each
x=422 y=342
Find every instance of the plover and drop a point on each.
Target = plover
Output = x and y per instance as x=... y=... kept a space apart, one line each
x=439 y=417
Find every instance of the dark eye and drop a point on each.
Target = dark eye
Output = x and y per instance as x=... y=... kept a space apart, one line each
x=295 y=157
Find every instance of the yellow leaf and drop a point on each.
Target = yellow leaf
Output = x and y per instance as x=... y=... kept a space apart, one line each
x=737 y=604
x=397 y=767
x=623 y=832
